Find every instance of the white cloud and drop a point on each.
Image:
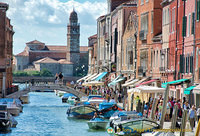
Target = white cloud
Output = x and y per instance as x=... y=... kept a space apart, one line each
x=46 y=20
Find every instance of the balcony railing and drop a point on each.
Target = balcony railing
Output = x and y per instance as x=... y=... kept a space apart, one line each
x=162 y=69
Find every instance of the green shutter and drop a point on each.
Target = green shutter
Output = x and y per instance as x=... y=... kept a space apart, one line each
x=184 y=26
x=198 y=9
x=193 y=19
x=191 y=64
x=182 y=64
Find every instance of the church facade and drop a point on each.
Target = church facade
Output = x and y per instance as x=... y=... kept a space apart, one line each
x=65 y=59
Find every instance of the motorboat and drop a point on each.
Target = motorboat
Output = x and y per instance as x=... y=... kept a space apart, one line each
x=61 y=93
x=13 y=122
x=135 y=126
x=14 y=106
x=123 y=115
x=5 y=122
x=107 y=109
x=82 y=111
x=24 y=99
x=97 y=123
x=66 y=96
x=72 y=100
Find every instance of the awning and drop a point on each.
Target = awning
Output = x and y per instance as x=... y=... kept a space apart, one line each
x=90 y=77
x=96 y=76
x=139 y=82
x=147 y=89
x=114 y=81
x=176 y=82
x=147 y=82
x=196 y=90
x=93 y=83
x=188 y=90
x=101 y=76
x=130 y=83
x=83 y=78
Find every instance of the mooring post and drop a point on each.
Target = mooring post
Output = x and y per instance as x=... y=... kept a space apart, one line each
x=153 y=109
x=198 y=129
x=164 y=106
x=183 y=123
x=132 y=99
x=174 y=117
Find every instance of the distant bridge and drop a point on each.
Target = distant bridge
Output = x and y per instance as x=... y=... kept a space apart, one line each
x=41 y=87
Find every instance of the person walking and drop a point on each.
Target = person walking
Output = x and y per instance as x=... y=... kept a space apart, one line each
x=56 y=78
x=198 y=113
x=192 y=116
x=60 y=77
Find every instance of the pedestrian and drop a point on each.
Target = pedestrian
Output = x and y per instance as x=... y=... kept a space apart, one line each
x=198 y=113
x=186 y=106
x=56 y=78
x=192 y=116
x=60 y=77
x=171 y=107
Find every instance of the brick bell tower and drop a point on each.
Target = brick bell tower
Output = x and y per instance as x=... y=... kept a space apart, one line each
x=73 y=39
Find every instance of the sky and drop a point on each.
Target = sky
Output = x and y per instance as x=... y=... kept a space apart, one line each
x=46 y=20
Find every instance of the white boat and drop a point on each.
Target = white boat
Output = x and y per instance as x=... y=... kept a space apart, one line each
x=24 y=99
x=97 y=123
x=13 y=109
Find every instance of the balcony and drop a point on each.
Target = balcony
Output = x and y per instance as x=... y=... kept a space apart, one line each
x=143 y=35
x=162 y=69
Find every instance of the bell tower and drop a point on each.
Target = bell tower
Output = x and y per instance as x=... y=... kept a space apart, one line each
x=73 y=38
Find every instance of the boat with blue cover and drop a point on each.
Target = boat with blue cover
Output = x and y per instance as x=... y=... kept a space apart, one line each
x=66 y=96
x=107 y=109
x=97 y=123
x=82 y=111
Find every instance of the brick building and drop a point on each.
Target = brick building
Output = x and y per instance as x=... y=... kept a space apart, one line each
x=6 y=47
x=37 y=55
x=149 y=37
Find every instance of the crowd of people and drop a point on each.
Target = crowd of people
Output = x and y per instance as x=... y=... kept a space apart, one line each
x=59 y=78
x=193 y=112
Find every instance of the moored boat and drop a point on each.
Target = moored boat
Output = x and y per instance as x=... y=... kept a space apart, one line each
x=4 y=121
x=135 y=126
x=82 y=111
x=97 y=123
x=24 y=99
x=66 y=96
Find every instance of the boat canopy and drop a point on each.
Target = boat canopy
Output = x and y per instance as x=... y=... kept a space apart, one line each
x=188 y=90
x=176 y=82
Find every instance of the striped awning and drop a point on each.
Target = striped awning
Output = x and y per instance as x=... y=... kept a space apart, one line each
x=83 y=78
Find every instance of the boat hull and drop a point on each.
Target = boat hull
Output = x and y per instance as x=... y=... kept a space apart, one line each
x=4 y=124
x=24 y=99
x=14 y=111
x=97 y=125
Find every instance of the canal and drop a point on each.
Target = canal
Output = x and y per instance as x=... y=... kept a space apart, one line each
x=45 y=115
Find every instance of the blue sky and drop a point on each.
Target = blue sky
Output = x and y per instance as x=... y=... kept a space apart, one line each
x=46 y=20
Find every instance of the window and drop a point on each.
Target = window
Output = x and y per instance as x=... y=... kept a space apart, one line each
x=173 y=19
x=142 y=2
x=189 y=23
x=144 y=22
x=130 y=57
x=152 y=22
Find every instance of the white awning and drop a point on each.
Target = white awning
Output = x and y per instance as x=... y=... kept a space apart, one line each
x=96 y=76
x=93 y=83
x=130 y=83
x=90 y=77
x=196 y=90
x=147 y=89
x=83 y=78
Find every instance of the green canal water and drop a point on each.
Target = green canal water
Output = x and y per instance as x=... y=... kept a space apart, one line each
x=45 y=115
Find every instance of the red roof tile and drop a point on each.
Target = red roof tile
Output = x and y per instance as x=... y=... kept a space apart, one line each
x=24 y=53
x=57 y=48
x=64 y=61
x=34 y=42
x=93 y=36
x=47 y=60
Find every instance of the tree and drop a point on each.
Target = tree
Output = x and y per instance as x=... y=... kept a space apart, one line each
x=45 y=73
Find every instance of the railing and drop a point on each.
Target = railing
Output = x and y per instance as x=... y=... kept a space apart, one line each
x=162 y=69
